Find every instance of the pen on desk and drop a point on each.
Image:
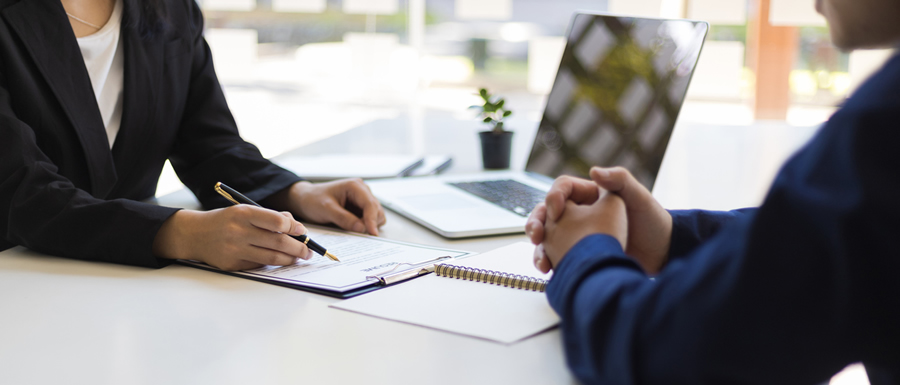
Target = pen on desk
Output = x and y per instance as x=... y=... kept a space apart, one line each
x=237 y=198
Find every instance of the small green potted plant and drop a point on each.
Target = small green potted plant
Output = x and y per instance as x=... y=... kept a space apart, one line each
x=496 y=144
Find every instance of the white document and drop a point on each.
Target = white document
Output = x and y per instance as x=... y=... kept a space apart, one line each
x=361 y=256
x=470 y=308
x=330 y=167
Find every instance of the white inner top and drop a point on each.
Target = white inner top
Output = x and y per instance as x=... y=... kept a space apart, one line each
x=103 y=57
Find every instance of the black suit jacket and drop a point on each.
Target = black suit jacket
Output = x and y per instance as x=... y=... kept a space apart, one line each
x=62 y=190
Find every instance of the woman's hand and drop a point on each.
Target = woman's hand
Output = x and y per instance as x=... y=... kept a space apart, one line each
x=234 y=238
x=347 y=203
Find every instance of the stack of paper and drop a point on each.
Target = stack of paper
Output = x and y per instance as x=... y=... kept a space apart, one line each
x=366 y=166
x=337 y=166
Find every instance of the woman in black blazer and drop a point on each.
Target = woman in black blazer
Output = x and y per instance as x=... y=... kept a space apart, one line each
x=63 y=191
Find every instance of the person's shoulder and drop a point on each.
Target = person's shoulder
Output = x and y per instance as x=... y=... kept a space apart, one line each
x=7 y=3
x=866 y=125
x=168 y=19
x=873 y=109
x=880 y=92
x=187 y=15
x=181 y=6
x=179 y=11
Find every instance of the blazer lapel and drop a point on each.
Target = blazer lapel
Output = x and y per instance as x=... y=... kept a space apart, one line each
x=143 y=72
x=47 y=35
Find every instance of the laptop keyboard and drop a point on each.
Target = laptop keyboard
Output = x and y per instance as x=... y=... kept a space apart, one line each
x=509 y=194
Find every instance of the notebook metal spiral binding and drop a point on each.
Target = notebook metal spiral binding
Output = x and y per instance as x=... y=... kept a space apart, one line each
x=493 y=277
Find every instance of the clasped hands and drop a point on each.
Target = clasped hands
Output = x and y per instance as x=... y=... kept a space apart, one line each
x=613 y=202
x=245 y=237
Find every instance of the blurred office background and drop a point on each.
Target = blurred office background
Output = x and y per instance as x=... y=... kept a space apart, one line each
x=296 y=71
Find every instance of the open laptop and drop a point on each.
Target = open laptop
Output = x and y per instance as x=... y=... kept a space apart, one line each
x=617 y=94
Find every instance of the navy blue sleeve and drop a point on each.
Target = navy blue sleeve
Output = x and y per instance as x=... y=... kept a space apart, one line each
x=690 y=228
x=789 y=293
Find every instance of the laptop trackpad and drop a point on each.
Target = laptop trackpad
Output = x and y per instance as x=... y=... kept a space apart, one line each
x=441 y=201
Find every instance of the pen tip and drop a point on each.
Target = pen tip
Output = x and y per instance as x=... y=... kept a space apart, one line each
x=332 y=257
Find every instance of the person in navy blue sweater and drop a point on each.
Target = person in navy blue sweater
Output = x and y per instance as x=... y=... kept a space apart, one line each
x=787 y=293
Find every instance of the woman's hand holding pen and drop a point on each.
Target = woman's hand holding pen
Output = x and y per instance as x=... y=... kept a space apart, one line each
x=234 y=238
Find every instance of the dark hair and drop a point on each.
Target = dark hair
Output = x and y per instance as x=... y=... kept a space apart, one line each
x=151 y=17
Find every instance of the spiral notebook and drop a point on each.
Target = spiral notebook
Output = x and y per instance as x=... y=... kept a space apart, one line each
x=492 y=277
x=490 y=296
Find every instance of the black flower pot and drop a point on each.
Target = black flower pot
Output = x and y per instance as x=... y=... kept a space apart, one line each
x=496 y=149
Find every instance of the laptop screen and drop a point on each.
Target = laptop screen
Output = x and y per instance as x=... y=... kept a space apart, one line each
x=617 y=94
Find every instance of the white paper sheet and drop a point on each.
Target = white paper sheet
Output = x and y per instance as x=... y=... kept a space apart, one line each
x=360 y=256
x=329 y=167
x=474 y=309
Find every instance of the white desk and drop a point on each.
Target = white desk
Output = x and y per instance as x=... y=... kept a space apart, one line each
x=72 y=322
